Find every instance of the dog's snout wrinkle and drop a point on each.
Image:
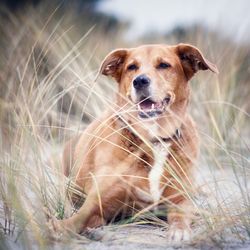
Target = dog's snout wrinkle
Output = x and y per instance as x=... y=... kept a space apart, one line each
x=170 y=97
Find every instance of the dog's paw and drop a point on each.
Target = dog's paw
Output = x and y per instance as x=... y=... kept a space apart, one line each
x=176 y=234
x=51 y=223
x=57 y=229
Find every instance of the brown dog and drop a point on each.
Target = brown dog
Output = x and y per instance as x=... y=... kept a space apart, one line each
x=141 y=152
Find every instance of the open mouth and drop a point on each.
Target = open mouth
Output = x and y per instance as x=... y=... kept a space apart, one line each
x=147 y=108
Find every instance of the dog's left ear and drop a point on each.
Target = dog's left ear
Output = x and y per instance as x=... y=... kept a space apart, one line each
x=112 y=64
x=192 y=60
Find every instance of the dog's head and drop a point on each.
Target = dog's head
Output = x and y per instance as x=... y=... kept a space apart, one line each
x=155 y=77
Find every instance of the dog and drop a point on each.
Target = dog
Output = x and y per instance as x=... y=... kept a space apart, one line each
x=142 y=151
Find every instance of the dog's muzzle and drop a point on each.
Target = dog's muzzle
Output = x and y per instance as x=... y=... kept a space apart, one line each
x=148 y=108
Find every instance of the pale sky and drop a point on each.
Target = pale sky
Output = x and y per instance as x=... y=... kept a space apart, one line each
x=231 y=17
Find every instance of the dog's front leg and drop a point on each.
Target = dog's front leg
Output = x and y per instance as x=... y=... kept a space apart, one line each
x=180 y=216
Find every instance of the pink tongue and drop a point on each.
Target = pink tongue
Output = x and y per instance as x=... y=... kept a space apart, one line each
x=158 y=105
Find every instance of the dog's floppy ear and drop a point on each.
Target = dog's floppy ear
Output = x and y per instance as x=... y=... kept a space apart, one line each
x=112 y=64
x=192 y=60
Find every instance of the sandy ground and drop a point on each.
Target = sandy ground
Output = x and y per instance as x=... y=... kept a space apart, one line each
x=132 y=238
x=150 y=237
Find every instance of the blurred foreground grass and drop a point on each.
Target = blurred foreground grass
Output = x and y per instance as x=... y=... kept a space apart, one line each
x=47 y=94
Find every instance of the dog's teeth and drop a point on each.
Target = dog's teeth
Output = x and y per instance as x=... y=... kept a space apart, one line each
x=139 y=107
x=152 y=106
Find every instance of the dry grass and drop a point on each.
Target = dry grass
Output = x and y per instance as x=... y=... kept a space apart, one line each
x=48 y=93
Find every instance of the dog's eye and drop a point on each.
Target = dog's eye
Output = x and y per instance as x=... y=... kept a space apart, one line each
x=132 y=67
x=163 y=65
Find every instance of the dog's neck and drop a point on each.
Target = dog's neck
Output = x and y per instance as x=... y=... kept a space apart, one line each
x=153 y=138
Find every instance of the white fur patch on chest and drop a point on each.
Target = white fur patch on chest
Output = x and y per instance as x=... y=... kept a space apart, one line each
x=152 y=128
x=155 y=174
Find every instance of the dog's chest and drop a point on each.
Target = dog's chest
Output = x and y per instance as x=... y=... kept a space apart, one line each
x=153 y=192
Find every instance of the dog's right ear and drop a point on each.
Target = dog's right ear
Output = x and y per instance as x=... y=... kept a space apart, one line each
x=112 y=64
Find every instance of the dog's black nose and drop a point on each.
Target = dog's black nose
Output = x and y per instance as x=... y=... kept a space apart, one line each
x=141 y=82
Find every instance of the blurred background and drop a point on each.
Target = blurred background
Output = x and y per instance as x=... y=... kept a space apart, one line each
x=160 y=17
